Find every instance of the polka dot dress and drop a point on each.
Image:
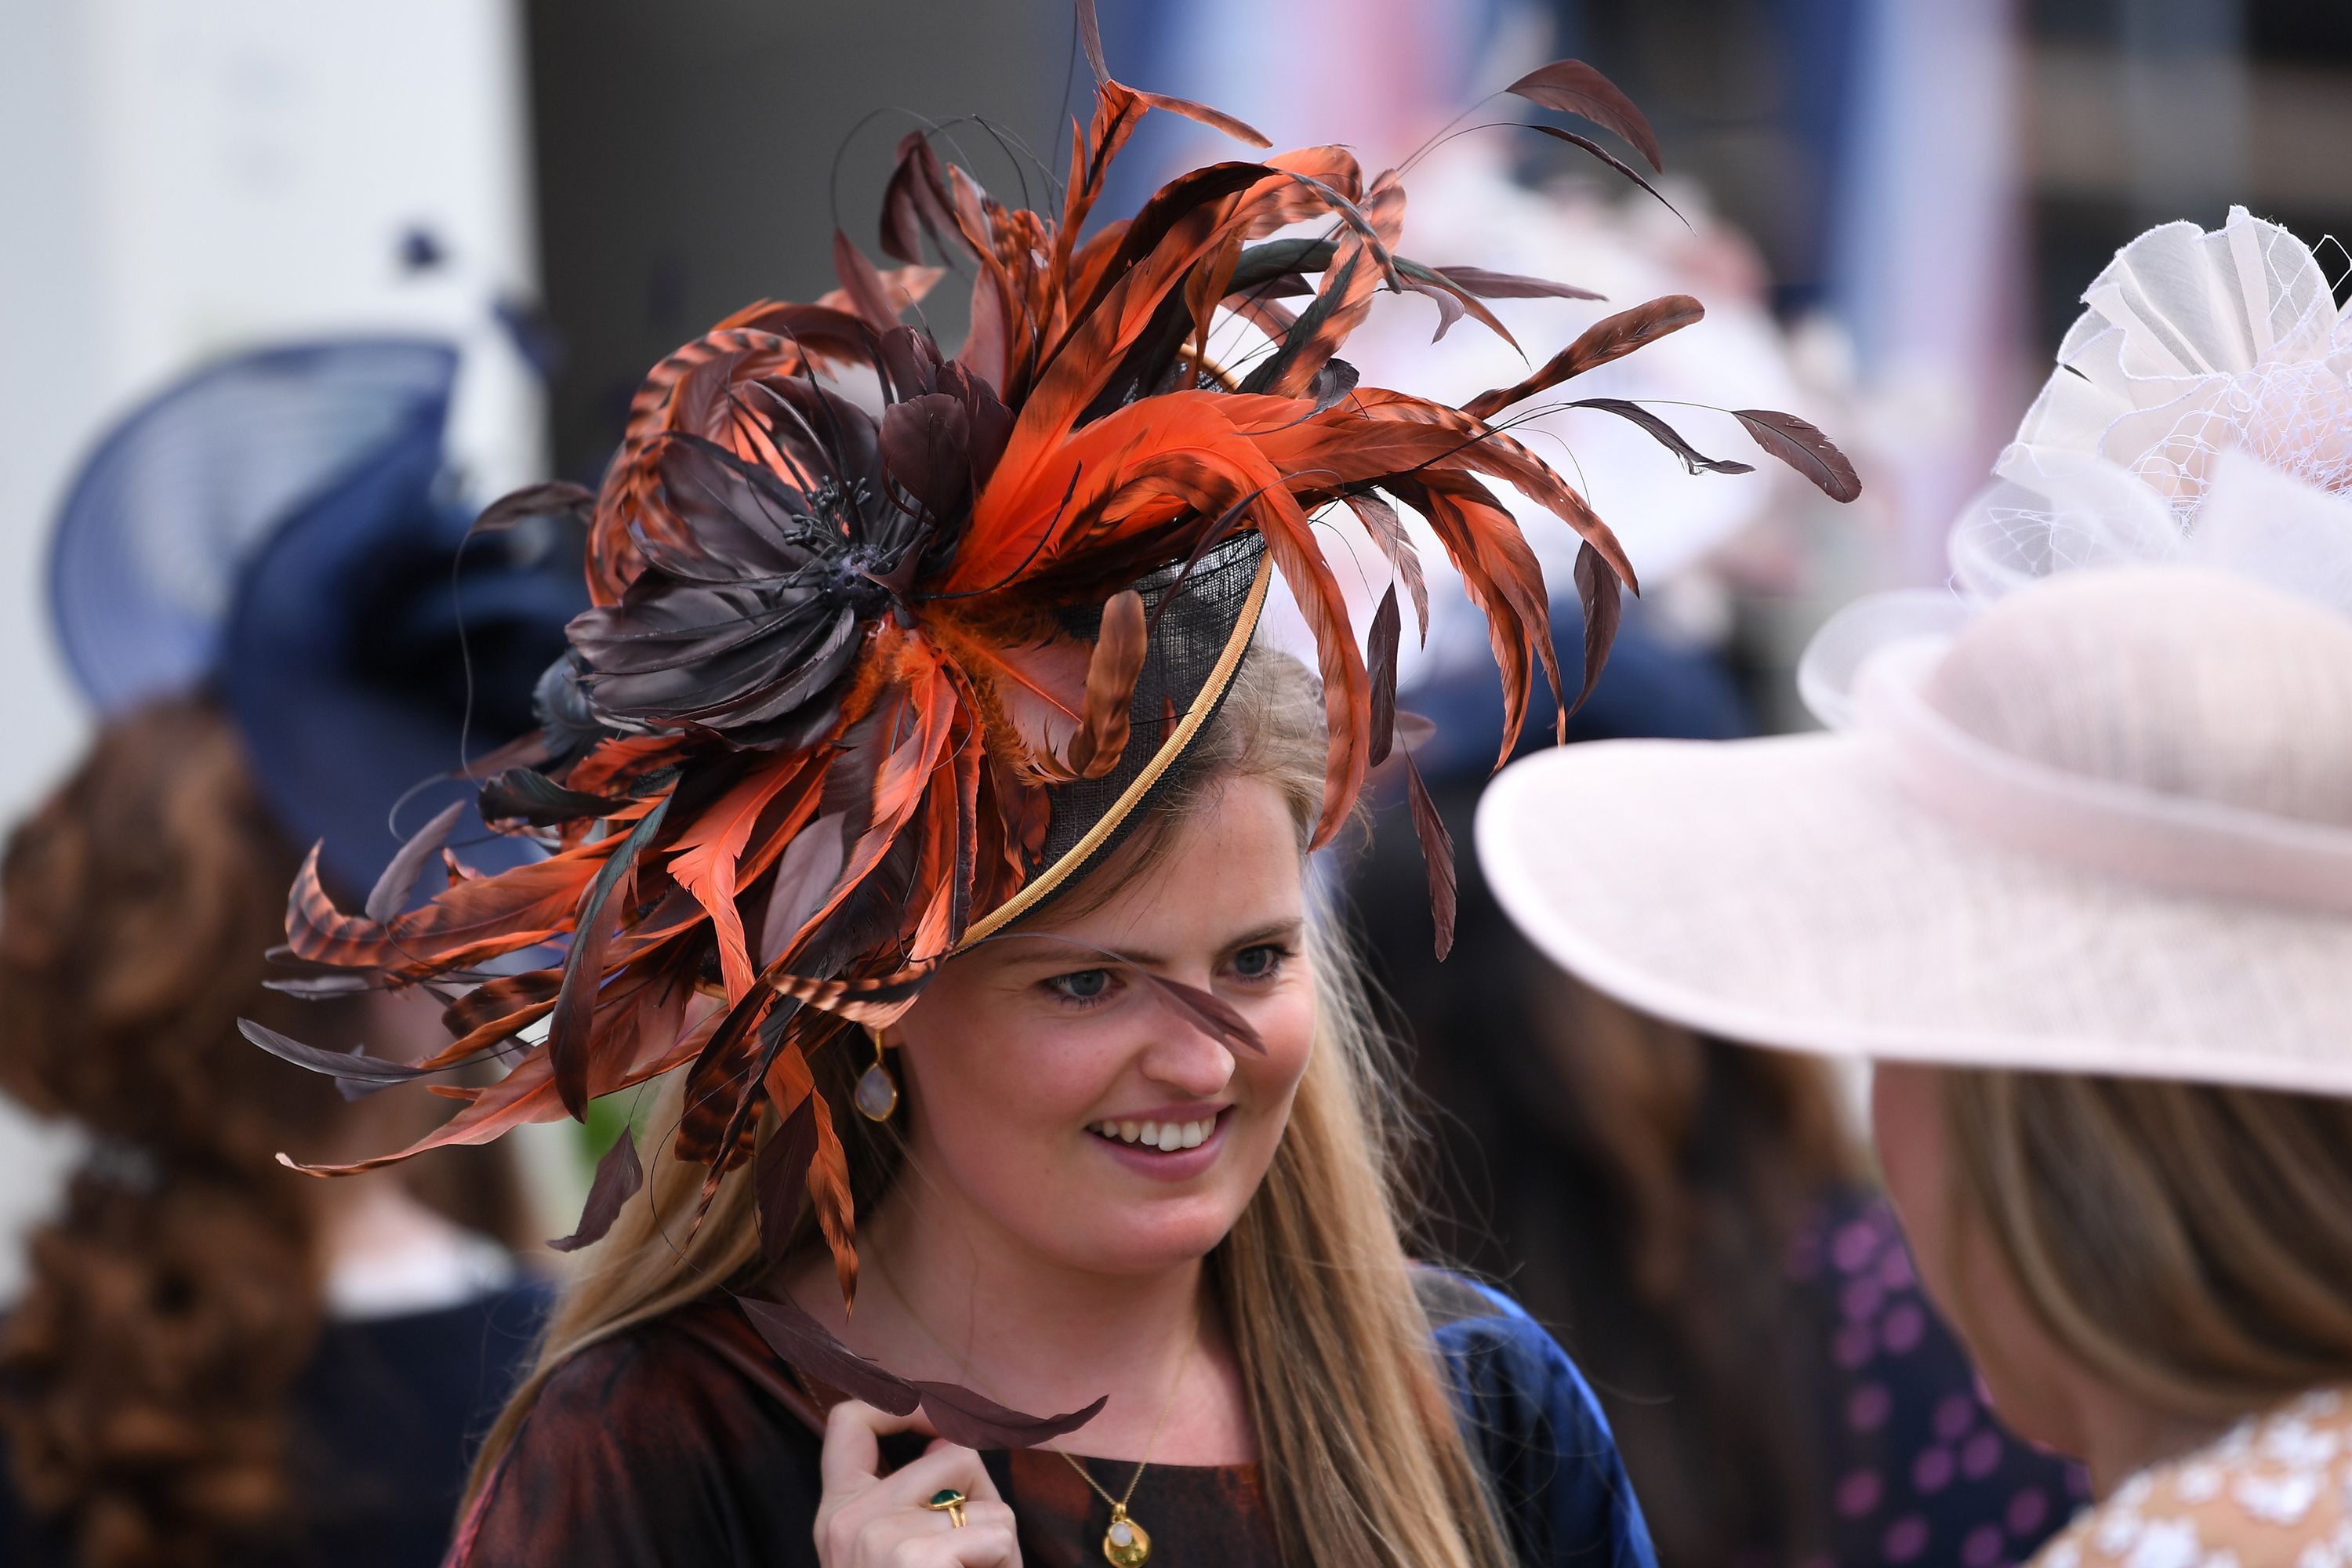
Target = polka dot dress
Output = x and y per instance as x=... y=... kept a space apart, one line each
x=1925 y=1477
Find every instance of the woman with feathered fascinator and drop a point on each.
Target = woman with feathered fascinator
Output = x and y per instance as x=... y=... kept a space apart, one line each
x=938 y=732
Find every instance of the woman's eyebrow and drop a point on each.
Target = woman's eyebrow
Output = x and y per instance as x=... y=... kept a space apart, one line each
x=1043 y=949
x=1058 y=952
x=1273 y=932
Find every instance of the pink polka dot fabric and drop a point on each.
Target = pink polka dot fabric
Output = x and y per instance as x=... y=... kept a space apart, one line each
x=1926 y=1476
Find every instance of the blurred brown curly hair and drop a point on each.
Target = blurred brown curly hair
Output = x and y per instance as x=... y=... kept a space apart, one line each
x=145 y=1376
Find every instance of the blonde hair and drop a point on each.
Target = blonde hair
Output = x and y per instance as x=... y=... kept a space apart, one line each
x=2190 y=1245
x=1362 y=1456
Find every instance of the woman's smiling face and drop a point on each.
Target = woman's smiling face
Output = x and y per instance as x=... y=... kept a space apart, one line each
x=1058 y=1099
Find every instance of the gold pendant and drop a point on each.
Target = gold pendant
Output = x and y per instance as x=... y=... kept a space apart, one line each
x=1126 y=1543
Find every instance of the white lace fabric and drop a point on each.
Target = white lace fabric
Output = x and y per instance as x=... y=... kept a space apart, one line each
x=2204 y=364
x=2276 y=1492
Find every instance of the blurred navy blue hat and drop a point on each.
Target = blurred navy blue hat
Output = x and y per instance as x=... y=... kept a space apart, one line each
x=278 y=528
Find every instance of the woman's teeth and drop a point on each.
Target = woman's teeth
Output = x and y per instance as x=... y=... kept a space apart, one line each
x=1160 y=1135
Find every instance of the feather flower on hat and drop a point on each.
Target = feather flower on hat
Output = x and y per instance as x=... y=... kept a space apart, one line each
x=2205 y=390
x=840 y=663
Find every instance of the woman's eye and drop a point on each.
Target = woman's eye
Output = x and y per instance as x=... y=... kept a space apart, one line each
x=1258 y=963
x=1082 y=986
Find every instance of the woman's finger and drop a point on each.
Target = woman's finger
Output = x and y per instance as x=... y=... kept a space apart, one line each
x=942 y=1469
x=867 y=1534
x=869 y=1518
x=853 y=1447
x=870 y=1534
x=972 y=1547
x=982 y=1514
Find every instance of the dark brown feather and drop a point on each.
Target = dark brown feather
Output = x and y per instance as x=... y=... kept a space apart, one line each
x=496 y=999
x=1090 y=35
x=1513 y=286
x=808 y=1346
x=1574 y=88
x=354 y=1066
x=1436 y=855
x=1380 y=664
x=808 y=872
x=1615 y=162
x=526 y=795
x=583 y=968
x=915 y=204
x=961 y=1415
x=1453 y=299
x=867 y=293
x=1211 y=1014
x=1611 y=338
x=1666 y=435
x=780 y=1177
x=1450 y=308
x=1215 y=118
x=1596 y=589
x=619 y=1175
x=1380 y=522
x=1803 y=447
x=555 y=497
x=717 y=1104
x=392 y=889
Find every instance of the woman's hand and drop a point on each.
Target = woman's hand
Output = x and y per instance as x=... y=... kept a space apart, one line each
x=866 y=1519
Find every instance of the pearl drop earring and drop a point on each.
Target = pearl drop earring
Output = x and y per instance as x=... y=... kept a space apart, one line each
x=877 y=1092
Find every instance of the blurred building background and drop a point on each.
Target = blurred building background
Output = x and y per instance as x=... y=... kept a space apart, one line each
x=1909 y=193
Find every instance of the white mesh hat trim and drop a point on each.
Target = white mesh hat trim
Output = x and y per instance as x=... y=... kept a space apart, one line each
x=2254 y=522
x=2201 y=415
x=2253 y=518
x=2197 y=351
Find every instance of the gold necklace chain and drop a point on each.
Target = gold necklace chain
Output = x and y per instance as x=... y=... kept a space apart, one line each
x=964 y=1364
x=1183 y=1364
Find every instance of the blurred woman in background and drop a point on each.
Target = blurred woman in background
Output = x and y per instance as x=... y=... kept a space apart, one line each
x=2076 y=867
x=216 y=1362
x=1690 y=1215
x=263 y=586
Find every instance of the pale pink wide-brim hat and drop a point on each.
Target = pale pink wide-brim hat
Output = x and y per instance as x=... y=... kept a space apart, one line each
x=2104 y=826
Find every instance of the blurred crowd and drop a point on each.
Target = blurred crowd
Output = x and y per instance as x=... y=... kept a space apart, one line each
x=266 y=623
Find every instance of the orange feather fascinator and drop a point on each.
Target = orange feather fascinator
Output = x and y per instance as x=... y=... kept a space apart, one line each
x=859 y=686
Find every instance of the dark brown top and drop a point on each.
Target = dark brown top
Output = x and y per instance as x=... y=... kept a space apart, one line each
x=685 y=1443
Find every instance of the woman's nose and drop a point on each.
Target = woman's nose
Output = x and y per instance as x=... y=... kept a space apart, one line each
x=1187 y=1058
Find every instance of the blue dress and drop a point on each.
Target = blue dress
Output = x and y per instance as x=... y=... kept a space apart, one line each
x=1531 y=1419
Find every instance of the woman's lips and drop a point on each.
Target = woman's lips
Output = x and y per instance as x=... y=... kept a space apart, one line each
x=1172 y=1150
